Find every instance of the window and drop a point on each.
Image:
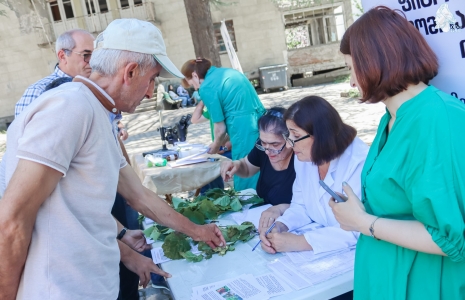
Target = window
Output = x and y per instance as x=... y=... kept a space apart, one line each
x=55 y=10
x=314 y=27
x=57 y=7
x=219 y=37
x=124 y=3
x=68 y=8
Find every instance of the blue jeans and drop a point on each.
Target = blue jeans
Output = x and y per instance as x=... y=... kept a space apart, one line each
x=185 y=99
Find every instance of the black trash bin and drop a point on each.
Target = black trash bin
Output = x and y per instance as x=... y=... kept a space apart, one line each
x=272 y=77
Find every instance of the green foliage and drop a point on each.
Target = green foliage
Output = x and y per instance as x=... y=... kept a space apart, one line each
x=178 y=246
x=175 y=244
x=191 y=257
x=208 y=207
x=342 y=79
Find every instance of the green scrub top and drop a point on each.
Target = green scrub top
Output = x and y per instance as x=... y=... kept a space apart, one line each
x=416 y=172
x=230 y=97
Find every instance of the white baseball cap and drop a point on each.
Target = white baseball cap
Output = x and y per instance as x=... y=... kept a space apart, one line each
x=138 y=36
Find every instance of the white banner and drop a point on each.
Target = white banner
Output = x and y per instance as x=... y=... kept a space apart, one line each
x=442 y=23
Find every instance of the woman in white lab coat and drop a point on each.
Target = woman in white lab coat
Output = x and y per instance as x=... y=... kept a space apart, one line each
x=326 y=149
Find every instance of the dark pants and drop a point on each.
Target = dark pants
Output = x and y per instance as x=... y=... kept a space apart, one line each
x=128 y=281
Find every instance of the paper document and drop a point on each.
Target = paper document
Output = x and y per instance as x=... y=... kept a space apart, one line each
x=251 y=215
x=158 y=256
x=301 y=257
x=302 y=275
x=244 y=287
x=274 y=285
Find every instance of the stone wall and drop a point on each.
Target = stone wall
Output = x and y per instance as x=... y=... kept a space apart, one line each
x=23 y=61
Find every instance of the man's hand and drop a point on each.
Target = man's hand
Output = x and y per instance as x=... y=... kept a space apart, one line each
x=210 y=234
x=136 y=240
x=139 y=264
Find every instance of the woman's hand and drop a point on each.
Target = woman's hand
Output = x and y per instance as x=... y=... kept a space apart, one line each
x=350 y=214
x=268 y=217
x=228 y=169
x=266 y=244
x=287 y=242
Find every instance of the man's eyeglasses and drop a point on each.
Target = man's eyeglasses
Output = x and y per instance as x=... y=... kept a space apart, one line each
x=86 y=56
x=270 y=150
x=292 y=142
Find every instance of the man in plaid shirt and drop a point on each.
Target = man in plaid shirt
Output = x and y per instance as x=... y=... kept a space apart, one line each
x=74 y=49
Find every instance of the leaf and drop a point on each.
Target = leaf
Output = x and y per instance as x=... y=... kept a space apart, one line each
x=177 y=201
x=189 y=256
x=155 y=234
x=208 y=209
x=235 y=204
x=252 y=200
x=175 y=244
x=222 y=201
x=148 y=231
x=214 y=193
x=195 y=216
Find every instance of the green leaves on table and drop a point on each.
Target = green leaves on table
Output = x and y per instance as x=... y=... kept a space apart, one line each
x=177 y=245
x=208 y=207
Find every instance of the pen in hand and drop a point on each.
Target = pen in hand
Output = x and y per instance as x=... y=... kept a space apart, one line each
x=268 y=231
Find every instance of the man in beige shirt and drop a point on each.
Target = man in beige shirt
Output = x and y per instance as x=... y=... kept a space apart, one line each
x=57 y=233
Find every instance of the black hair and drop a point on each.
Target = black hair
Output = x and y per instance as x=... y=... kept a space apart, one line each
x=273 y=121
x=317 y=117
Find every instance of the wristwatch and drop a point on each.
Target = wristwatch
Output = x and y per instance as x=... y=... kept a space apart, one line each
x=122 y=233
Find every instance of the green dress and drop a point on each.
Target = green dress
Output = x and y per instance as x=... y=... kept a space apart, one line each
x=230 y=97
x=416 y=172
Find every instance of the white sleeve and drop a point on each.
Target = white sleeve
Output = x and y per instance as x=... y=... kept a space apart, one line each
x=332 y=237
x=296 y=215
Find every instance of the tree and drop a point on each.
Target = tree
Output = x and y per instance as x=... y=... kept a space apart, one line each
x=201 y=26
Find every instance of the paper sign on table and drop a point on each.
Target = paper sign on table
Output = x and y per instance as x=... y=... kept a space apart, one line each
x=244 y=287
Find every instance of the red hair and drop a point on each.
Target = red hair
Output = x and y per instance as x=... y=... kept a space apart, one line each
x=388 y=54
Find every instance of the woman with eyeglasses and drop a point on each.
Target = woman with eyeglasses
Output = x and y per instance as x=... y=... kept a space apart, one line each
x=328 y=150
x=273 y=160
x=233 y=105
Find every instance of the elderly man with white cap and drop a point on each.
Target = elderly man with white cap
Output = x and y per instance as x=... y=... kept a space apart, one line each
x=56 y=231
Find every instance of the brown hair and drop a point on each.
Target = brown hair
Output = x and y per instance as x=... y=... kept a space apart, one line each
x=199 y=66
x=388 y=54
x=317 y=117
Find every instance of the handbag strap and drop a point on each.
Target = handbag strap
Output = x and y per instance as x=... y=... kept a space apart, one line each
x=103 y=100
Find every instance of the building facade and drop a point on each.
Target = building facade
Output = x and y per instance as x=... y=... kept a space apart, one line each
x=304 y=36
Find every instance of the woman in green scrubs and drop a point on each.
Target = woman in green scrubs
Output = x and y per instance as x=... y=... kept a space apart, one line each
x=234 y=109
x=412 y=212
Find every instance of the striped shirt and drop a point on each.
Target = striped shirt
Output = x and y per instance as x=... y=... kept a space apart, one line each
x=36 y=89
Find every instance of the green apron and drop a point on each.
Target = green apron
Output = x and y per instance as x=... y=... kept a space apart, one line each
x=242 y=128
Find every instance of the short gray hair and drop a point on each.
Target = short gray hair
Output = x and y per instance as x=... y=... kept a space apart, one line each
x=107 y=62
x=65 y=40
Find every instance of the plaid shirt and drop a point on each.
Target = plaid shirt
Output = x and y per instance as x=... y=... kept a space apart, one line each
x=36 y=89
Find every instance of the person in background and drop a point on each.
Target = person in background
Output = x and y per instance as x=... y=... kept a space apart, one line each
x=181 y=91
x=411 y=218
x=174 y=96
x=234 y=108
x=273 y=160
x=74 y=50
x=326 y=149
x=201 y=115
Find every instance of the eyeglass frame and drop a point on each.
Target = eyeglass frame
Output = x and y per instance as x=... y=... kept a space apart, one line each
x=81 y=54
x=272 y=151
x=292 y=142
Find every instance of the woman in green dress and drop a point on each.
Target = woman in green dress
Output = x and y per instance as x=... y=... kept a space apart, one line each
x=234 y=109
x=412 y=244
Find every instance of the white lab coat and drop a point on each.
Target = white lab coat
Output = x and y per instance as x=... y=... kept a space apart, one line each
x=310 y=201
